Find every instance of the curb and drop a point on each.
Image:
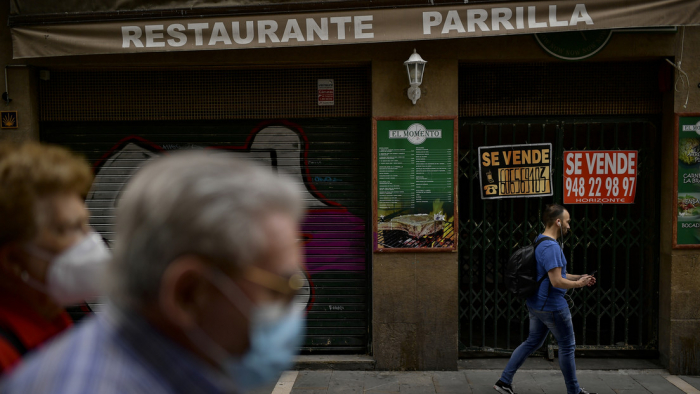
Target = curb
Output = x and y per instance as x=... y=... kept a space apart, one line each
x=334 y=362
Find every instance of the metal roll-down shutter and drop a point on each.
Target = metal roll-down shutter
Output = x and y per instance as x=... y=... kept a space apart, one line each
x=268 y=115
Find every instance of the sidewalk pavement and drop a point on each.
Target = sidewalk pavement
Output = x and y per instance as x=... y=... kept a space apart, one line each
x=605 y=376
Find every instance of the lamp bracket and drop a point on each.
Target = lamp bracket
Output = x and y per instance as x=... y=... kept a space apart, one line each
x=414 y=93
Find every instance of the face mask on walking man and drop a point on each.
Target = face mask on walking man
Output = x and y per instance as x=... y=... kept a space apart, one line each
x=202 y=286
x=548 y=307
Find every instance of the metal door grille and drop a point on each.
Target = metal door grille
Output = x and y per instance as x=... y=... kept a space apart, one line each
x=578 y=89
x=620 y=241
x=202 y=94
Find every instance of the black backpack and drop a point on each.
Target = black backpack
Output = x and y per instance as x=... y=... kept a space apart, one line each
x=521 y=271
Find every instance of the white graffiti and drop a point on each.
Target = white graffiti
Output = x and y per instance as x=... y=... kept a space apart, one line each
x=276 y=146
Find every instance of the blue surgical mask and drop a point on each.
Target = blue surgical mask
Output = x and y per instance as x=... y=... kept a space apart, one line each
x=273 y=345
x=275 y=330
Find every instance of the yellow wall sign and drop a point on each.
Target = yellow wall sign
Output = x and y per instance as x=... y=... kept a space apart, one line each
x=508 y=171
x=8 y=119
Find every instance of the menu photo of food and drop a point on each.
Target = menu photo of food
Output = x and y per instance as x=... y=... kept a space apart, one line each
x=409 y=228
x=688 y=217
x=689 y=151
x=688 y=207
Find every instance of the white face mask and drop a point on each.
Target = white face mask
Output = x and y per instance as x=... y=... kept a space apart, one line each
x=75 y=274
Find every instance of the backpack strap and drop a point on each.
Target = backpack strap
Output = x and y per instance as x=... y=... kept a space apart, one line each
x=539 y=241
x=14 y=341
x=544 y=238
x=539 y=282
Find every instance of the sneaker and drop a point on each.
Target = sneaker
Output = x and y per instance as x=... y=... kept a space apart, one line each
x=503 y=388
x=583 y=391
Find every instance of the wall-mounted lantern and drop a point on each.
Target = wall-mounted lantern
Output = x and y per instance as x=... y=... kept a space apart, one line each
x=415 y=65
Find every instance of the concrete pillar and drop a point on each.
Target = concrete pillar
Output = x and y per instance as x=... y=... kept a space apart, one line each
x=22 y=86
x=415 y=295
x=23 y=93
x=679 y=280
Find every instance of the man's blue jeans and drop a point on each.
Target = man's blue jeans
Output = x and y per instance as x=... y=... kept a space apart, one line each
x=541 y=322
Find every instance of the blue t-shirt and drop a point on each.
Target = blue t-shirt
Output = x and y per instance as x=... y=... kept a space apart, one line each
x=549 y=256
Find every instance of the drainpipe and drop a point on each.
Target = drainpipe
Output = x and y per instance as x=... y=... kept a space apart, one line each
x=6 y=94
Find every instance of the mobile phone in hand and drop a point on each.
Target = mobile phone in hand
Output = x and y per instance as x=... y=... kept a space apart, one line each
x=593 y=273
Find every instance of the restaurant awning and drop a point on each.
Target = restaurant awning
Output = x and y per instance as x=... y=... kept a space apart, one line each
x=316 y=23
x=36 y=8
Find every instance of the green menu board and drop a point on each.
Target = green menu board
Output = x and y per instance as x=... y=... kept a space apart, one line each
x=687 y=204
x=415 y=184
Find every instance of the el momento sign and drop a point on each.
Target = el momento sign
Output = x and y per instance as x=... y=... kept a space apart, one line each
x=415 y=171
x=600 y=176
x=509 y=171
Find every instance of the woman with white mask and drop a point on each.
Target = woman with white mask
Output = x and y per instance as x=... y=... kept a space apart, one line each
x=49 y=256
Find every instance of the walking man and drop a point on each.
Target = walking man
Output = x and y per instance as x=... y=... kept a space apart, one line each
x=548 y=308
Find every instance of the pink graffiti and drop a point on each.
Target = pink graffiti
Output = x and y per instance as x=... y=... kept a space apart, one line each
x=331 y=249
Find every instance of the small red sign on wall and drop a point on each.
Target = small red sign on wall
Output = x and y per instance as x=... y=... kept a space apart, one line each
x=600 y=176
x=326 y=92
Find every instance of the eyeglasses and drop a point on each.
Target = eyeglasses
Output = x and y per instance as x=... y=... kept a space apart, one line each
x=288 y=287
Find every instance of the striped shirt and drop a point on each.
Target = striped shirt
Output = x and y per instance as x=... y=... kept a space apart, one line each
x=115 y=353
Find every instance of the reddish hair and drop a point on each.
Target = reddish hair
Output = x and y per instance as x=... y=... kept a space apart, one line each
x=31 y=171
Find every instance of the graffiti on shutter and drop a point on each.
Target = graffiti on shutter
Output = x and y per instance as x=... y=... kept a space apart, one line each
x=333 y=231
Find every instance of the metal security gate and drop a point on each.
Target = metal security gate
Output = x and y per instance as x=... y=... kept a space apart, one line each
x=328 y=155
x=620 y=241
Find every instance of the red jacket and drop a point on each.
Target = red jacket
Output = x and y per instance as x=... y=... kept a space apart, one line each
x=28 y=326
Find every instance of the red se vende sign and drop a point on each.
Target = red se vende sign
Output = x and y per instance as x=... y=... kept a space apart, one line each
x=600 y=176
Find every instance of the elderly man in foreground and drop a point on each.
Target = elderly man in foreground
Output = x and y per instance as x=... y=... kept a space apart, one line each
x=203 y=281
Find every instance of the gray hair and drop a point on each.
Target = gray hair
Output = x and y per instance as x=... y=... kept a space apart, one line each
x=193 y=202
